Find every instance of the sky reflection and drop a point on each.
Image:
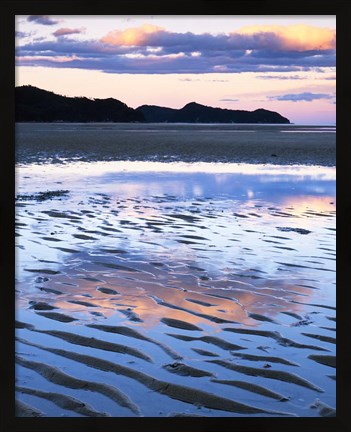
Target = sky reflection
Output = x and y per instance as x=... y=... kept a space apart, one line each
x=207 y=180
x=231 y=224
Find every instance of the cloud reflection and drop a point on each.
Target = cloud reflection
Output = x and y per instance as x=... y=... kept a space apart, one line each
x=151 y=298
x=202 y=247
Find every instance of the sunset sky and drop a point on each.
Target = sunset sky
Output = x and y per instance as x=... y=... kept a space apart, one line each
x=280 y=63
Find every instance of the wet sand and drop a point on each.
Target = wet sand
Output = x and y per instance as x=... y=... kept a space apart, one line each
x=173 y=302
x=263 y=144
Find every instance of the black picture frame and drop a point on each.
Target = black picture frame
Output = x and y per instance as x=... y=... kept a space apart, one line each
x=9 y=9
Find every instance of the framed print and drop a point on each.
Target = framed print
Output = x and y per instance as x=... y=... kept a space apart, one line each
x=174 y=217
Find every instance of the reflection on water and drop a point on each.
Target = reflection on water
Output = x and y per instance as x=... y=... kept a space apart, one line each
x=252 y=236
x=184 y=180
x=179 y=294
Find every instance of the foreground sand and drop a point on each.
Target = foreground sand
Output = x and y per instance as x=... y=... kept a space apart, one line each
x=178 y=303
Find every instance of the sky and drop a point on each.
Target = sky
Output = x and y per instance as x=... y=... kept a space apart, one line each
x=285 y=64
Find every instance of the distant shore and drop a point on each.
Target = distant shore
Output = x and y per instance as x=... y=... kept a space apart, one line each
x=35 y=104
x=258 y=144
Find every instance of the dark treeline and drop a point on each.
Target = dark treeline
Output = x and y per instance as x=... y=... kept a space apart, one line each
x=34 y=104
x=37 y=105
x=196 y=113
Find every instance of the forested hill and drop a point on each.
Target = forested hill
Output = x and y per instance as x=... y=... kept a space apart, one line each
x=37 y=105
x=196 y=113
x=34 y=104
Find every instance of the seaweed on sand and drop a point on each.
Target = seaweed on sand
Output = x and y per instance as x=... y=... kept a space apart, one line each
x=43 y=196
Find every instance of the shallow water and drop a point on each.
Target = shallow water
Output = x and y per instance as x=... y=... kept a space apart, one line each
x=226 y=271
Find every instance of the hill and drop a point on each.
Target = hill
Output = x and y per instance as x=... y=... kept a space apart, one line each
x=38 y=105
x=34 y=104
x=196 y=113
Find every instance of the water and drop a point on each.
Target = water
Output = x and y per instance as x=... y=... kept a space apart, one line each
x=248 y=201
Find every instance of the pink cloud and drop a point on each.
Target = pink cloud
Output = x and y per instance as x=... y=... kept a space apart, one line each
x=67 y=31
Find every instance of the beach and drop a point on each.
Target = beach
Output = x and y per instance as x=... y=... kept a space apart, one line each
x=239 y=143
x=175 y=270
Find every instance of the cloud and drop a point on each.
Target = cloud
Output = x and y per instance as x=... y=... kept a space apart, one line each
x=206 y=80
x=21 y=34
x=151 y=49
x=297 y=97
x=132 y=36
x=296 y=37
x=56 y=59
x=280 y=77
x=229 y=100
x=189 y=79
x=42 y=19
x=67 y=31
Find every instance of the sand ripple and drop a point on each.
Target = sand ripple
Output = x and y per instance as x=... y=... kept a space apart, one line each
x=174 y=391
x=56 y=376
x=269 y=373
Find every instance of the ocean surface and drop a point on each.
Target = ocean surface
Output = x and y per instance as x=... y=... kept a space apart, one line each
x=191 y=284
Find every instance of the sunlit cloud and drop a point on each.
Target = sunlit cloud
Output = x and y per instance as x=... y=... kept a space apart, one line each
x=131 y=37
x=153 y=49
x=299 y=37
